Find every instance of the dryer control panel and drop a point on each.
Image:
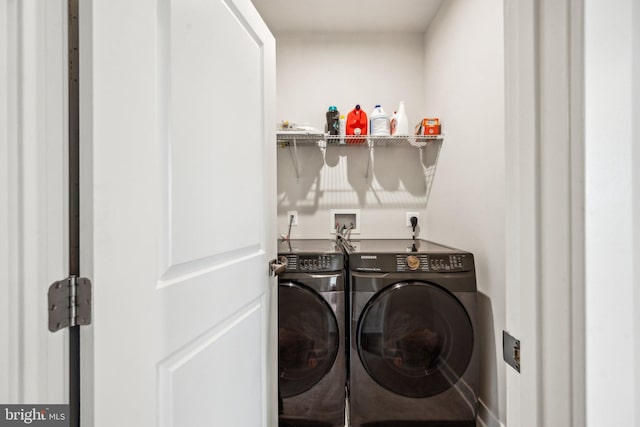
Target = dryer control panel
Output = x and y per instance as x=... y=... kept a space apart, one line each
x=314 y=262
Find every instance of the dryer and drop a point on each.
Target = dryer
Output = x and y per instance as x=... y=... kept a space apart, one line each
x=414 y=347
x=311 y=334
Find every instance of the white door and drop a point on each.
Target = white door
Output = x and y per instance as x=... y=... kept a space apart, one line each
x=178 y=209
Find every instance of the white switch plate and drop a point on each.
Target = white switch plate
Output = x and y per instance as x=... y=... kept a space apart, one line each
x=408 y=218
x=295 y=218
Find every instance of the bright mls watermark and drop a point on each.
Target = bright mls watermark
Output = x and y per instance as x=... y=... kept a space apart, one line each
x=34 y=415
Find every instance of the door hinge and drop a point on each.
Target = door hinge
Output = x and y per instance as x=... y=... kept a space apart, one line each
x=511 y=350
x=69 y=303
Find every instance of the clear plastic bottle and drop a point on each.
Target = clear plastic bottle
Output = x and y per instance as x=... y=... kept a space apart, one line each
x=343 y=128
x=379 y=122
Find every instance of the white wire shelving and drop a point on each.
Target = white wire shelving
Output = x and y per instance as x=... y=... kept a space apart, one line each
x=295 y=140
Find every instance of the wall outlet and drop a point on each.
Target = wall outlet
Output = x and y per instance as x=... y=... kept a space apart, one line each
x=408 y=218
x=295 y=218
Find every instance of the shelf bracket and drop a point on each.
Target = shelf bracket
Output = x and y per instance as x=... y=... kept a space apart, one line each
x=294 y=157
x=369 y=155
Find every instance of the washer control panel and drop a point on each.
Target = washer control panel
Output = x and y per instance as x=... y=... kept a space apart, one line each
x=414 y=262
x=433 y=262
x=313 y=262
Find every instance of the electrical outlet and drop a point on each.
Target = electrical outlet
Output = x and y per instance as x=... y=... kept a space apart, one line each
x=295 y=217
x=408 y=218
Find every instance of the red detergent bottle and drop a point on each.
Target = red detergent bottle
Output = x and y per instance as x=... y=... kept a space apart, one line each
x=357 y=124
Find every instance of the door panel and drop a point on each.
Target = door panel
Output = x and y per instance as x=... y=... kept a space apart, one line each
x=215 y=63
x=179 y=214
x=208 y=363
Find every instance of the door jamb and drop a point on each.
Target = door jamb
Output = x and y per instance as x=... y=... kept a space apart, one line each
x=73 y=86
x=545 y=210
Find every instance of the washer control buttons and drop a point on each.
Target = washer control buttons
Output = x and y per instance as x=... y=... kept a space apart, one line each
x=436 y=263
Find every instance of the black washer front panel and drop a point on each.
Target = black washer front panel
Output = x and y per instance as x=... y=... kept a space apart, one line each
x=308 y=338
x=415 y=339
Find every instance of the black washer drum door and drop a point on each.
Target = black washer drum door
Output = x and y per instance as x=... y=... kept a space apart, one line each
x=415 y=339
x=308 y=338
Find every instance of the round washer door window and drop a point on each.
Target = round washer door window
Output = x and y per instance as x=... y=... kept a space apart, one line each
x=415 y=339
x=308 y=338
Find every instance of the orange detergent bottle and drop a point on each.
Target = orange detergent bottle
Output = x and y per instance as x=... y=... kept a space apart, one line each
x=357 y=123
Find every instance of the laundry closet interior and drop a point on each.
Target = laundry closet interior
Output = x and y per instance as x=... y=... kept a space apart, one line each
x=444 y=59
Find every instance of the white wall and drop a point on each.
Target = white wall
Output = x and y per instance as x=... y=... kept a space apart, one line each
x=464 y=86
x=612 y=57
x=315 y=70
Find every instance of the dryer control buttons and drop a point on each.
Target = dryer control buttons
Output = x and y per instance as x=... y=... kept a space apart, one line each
x=291 y=261
x=319 y=263
x=413 y=262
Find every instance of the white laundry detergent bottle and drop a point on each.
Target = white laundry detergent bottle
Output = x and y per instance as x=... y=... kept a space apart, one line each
x=402 y=122
x=379 y=122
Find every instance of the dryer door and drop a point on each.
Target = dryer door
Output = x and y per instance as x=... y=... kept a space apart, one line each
x=308 y=338
x=415 y=339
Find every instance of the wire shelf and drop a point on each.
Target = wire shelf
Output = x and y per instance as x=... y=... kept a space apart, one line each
x=301 y=140
x=294 y=140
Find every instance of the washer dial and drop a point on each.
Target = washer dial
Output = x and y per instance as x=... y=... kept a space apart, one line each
x=413 y=262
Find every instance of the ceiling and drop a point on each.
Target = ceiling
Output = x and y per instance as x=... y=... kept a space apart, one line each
x=347 y=15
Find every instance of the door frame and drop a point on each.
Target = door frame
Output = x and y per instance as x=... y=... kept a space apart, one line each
x=536 y=179
x=34 y=248
x=545 y=233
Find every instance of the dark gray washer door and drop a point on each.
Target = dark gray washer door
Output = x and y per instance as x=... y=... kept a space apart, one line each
x=308 y=338
x=415 y=339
